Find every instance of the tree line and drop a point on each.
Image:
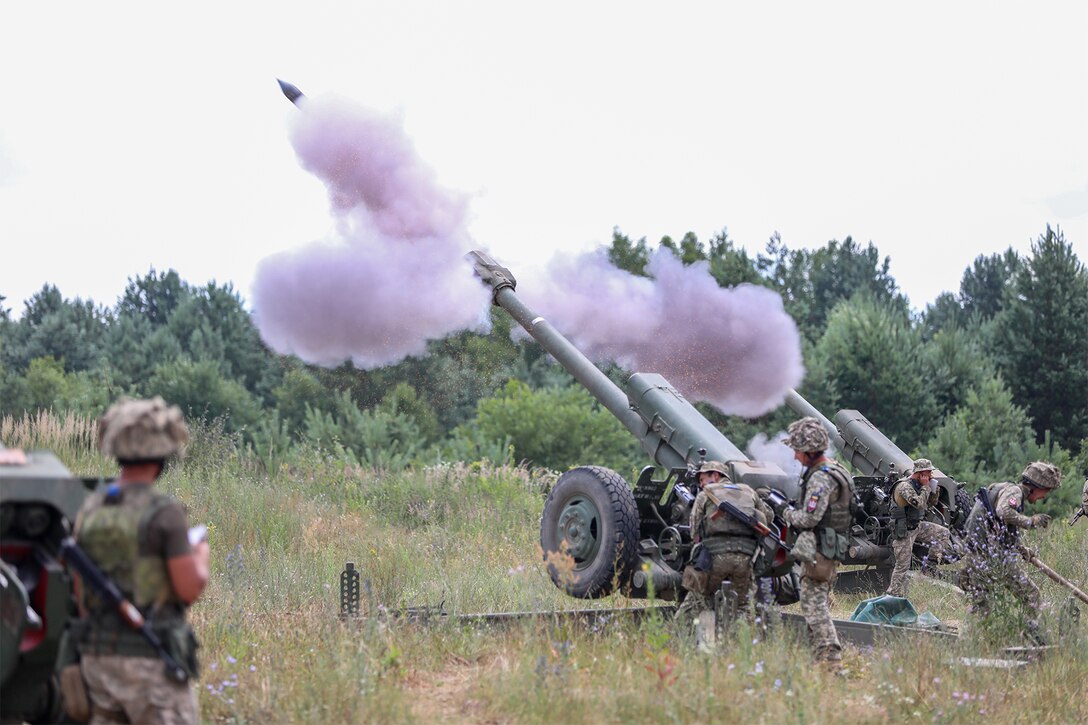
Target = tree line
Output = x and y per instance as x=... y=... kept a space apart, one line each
x=981 y=380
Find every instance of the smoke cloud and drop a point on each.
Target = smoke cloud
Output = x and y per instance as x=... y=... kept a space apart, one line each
x=772 y=450
x=392 y=276
x=734 y=348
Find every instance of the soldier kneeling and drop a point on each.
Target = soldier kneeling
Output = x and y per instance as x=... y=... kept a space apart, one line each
x=727 y=545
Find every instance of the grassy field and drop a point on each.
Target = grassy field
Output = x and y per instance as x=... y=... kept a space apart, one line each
x=467 y=535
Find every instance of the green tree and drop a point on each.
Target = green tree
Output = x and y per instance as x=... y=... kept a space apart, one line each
x=557 y=428
x=201 y=391
x=982 y=288
x=1040 y=339
x=153 y=297
x=730 y=266
x=628 y=255
x=872 y=357
x=71 y=331
x=812 y=283
x=944 y=312
x=689 y=251
x=403 y=400
x=212 y=324
x=373 y=438
x=955 y=363
x=298 y=391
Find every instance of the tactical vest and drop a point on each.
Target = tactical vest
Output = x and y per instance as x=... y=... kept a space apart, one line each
x=905 y=517
x=980 y=526
x=839 y=513
x=725 y=533
x=112 y=527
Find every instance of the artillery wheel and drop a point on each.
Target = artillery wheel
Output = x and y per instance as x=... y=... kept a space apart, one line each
x=590 y=516
x=964 y=504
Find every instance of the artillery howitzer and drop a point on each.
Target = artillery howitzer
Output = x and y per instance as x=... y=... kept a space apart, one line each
x=881 y=463
x=38 y=501
x=634 y=540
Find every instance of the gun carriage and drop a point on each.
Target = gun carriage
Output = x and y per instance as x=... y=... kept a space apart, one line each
x=637 y=539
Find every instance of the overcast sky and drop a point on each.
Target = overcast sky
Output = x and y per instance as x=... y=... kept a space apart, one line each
x=146 y=135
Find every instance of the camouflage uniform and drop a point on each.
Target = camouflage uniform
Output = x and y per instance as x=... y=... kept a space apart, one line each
x=912 y=501
x=731 y=544
x=825 y=504
x=1084 y=499
x=130 y=531
x=993 y=562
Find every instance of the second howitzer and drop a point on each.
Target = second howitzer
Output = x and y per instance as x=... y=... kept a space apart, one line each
x=606 y=535
x=881 y=464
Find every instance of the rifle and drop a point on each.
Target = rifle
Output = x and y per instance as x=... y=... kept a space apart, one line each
x=109 y=591
x=1032 y=558
x=761 y=529
x=1076 y=516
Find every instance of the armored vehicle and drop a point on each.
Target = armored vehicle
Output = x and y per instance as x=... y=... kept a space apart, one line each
x=39 y=500
x=599 y=534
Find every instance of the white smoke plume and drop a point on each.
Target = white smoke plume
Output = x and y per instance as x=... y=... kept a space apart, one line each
x=735 y=348
x=393 y=276
x=773 y=450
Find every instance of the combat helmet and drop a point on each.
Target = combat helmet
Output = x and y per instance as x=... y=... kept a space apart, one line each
x=136 y=431
x=808 y=435
x=1041 y=474
x=714 y=466
x=922 y=464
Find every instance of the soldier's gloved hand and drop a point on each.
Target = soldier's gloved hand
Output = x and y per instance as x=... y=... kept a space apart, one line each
x=1040 y=521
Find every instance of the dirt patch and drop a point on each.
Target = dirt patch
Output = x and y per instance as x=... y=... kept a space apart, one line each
x=448 y=694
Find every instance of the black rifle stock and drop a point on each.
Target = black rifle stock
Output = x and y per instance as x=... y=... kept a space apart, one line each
x=109 y=591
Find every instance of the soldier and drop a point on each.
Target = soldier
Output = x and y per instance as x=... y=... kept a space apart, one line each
x=825 y=510
x=912 y=497
x=139 y=538
x=1084 y=500
x=993 y=561
x=730 y=543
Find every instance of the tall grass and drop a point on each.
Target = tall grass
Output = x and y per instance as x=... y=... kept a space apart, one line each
x=467 y=535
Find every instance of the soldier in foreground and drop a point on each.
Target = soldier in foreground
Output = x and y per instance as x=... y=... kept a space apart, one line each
x=993 y=561
x=913 y=496
x=824 y=514
x=729 y=544
x=138 y=537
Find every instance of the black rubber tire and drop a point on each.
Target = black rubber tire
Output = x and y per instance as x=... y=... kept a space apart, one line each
x=964 y=504
x=602 y=503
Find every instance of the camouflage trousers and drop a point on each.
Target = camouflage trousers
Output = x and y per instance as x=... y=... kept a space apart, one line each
x=933 y=535
x=986 y=574
x=701 y=585
x=816 y=608
x=135 y=690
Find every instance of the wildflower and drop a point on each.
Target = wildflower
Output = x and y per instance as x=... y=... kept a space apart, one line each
x=231 y=659
x=731 y=666
x=253 y=668
x=936 y=680
x=213 y=666
x=777 y=683
x=759 y=667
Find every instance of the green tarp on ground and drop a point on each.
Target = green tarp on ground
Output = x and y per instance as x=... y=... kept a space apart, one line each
x=896 y=611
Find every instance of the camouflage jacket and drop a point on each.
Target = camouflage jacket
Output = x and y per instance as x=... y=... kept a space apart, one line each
x=821 y=490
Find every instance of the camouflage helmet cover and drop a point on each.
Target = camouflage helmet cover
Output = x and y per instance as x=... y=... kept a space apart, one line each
x=142 y=430
x=922 y=464
x=807 y=434
x=1042 y=475
x=714 y=466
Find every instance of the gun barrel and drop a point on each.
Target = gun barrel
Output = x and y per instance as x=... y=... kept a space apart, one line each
x=666 y=425
x=861 y=444
x=802 y=407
